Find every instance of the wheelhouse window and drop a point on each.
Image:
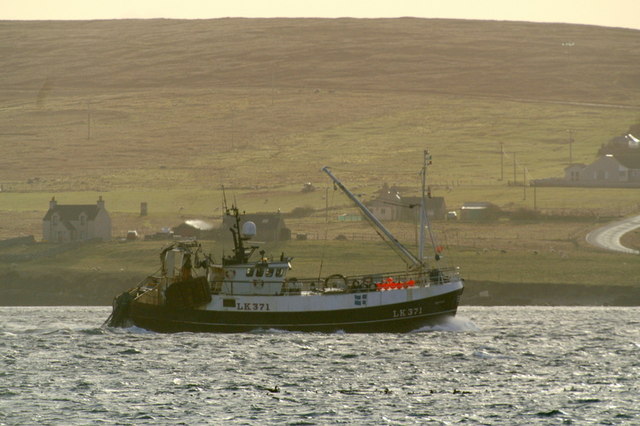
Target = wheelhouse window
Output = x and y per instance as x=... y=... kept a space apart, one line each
x=259 y=272
x=279 y=272
x=250 y=272
x=269 y=272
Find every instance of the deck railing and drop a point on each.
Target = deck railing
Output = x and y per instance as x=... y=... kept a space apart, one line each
x=362 y=283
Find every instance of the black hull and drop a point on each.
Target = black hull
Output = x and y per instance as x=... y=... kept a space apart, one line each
x=400 y=317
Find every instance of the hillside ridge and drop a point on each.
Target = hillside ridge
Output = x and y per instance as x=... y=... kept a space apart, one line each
x=481 y=57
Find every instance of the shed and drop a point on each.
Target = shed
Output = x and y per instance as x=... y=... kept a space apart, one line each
x=407 y=208
x=194 y=228
x=269 y=226
x=436 y=208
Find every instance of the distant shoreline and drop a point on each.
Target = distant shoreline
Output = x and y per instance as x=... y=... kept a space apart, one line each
x=543 y=294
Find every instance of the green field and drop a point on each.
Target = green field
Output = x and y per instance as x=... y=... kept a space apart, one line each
x=166 y=112
x=516 y=265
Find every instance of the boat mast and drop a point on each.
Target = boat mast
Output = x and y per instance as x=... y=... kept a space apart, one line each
x=405 y=252
x=424 y=218
x=423 y=208
x=240 y=253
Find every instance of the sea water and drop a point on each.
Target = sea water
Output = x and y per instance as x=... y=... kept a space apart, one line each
x=497 y=365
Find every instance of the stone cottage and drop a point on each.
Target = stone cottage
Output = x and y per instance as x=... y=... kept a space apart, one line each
x=76 y=222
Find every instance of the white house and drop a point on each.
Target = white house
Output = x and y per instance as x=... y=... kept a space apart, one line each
x=76 y=222
x=605 y=171
x=608 y=171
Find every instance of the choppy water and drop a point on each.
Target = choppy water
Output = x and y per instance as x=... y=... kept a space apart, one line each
x=521 y=365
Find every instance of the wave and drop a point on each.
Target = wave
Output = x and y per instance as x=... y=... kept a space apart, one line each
x=457 y=323
x=270 y=331
x=128 y=330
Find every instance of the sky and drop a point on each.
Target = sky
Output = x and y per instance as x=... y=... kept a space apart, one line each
x=609 y=13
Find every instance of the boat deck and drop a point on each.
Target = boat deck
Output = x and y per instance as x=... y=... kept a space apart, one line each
x=359 y=283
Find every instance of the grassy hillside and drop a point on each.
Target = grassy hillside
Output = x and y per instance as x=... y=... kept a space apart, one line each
x=182 y=102
x=180 y=107
x=166 y=111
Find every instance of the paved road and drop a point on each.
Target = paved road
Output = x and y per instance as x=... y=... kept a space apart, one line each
x=608 y=237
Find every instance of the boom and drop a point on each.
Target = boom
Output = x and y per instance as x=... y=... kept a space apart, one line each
x=393 y=240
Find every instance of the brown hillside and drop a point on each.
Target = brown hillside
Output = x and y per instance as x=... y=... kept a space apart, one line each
x=416 y=55
x=165 y=111
x=105 y=104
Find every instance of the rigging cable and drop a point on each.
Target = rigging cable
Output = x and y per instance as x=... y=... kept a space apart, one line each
x=427 y=221
x=326 y=229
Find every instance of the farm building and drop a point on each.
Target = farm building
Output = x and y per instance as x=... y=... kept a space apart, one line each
x=269 y=226
x=406 y=208
x=605 y=171
x=435 y=206
x=194 y=228
x=617 y=167
x=76 y=222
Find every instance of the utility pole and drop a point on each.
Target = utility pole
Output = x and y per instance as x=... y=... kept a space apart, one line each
x=501 y=161
x=514 y=169
x=233 y=126
x=570 y=147
x=326 y=205
x=273 y=90
x=88 y=120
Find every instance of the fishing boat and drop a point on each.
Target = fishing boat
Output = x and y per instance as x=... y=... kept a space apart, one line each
x=248 y=290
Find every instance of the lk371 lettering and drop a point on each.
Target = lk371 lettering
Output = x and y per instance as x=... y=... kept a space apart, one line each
x=409 y=312
x=253 y=307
